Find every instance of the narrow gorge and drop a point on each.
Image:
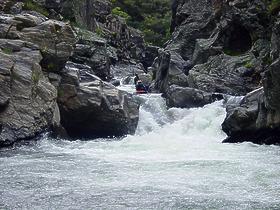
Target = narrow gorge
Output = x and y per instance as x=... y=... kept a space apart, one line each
x=74 y=134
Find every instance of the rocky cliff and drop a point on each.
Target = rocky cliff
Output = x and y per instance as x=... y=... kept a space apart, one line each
x=59 y=59
x=56 y=67
x=227 y=47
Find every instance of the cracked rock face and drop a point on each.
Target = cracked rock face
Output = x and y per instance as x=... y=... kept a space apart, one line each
x=55 y=39
x=27 y=99
x=222 y=46
x=96 y=109
x=32 y=46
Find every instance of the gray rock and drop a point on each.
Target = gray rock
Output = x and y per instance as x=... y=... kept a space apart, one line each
x=97 y=109
x=116 y=82
x=252 y=121
x=27 y=99
x=84 y=72
x=92 y=51
x=257 y=117
x=170 y=70
x=220 y=46
x=55 y=40
x=54 y=78
x=205 y=48
x=184 y=97
x=225 y=74
x=123 y=70
x=17 y=8
x=244 y=116
x=192 y=20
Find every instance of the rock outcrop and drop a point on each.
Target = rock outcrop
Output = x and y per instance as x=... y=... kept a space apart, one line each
x=228 y=47
x=217 y=46
x=55 y=39
x=257 y=117
x=185 y=97
x=51 y=79
x=97 y=109
x=27 y=99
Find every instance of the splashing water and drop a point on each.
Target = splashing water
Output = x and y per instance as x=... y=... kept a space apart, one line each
x=174 y=161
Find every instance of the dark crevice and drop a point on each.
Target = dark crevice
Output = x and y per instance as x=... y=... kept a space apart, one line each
x=237 y=40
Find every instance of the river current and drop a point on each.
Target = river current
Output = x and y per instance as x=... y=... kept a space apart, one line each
x=174 y=161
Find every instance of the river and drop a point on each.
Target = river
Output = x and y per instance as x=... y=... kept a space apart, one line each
x=174 y=161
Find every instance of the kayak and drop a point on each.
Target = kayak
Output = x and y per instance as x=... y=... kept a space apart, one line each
x=141 y=92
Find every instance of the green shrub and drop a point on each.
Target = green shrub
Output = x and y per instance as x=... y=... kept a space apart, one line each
x=7 y=51
x=35 y=76
x=99 y=31
x=33 y=6
x=118 y=11
x=267 y=60
x=151 y=17
x=232 y=52
x=248 y=65
x=274 y=6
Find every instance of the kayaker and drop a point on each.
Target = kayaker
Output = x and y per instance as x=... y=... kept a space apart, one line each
x=141 y=88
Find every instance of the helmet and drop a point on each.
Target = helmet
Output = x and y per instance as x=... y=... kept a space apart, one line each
x=139 y=81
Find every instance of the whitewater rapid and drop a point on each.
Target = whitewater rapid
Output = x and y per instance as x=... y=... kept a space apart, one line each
x=174 y=161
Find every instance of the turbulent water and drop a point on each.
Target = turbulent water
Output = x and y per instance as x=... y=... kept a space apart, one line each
x=175 y=161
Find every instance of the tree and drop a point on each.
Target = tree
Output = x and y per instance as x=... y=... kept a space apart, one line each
x=150 y=16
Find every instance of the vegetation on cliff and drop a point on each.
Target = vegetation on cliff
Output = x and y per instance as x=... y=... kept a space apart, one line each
x=274 y=6
x=151 y=17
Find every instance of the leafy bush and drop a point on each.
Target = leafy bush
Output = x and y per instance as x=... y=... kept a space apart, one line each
x=232 y=52
x=7 y=51
x=31 y=5
x=248 y=65
x=274 y=6
x=151 y=17
x=118 y=11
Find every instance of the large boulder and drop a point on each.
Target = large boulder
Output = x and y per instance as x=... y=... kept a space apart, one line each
x=90 y=13
x=169 y=69
x=27 y=99
x=55 y=39
x=232 y=75
x=96 y=109
x=185 y=97
x=192 y=19
x=252 y=121
x=93 y=51
x=244 y=115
